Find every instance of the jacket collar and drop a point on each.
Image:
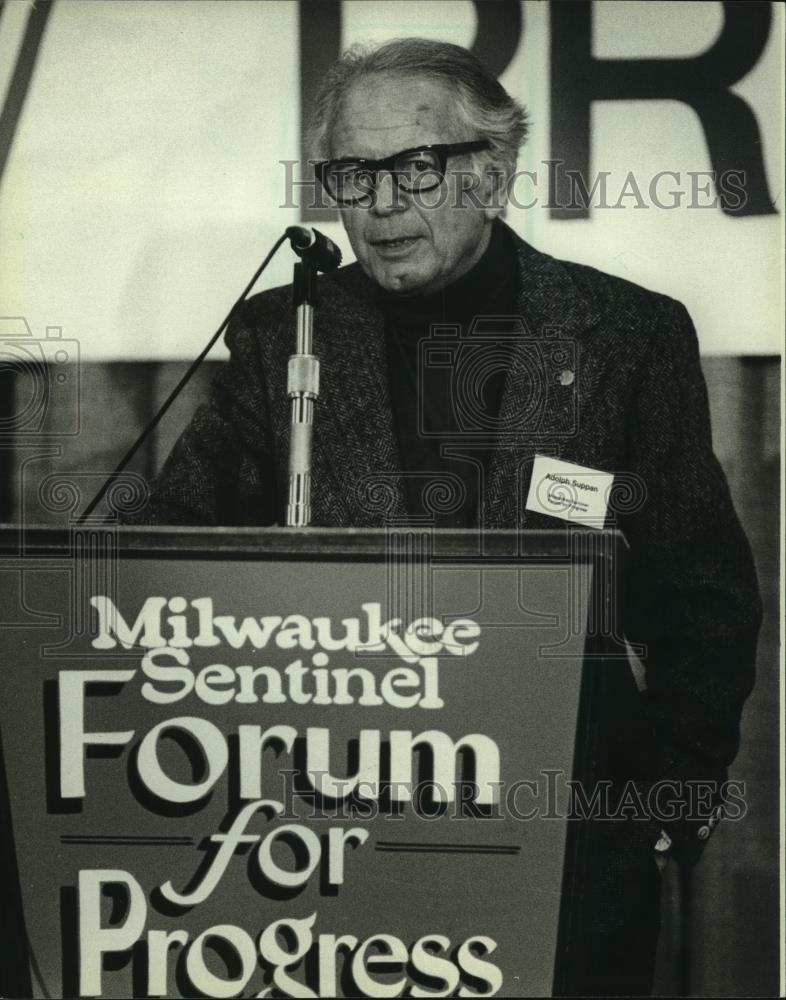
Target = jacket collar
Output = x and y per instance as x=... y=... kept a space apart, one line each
x=354 y=427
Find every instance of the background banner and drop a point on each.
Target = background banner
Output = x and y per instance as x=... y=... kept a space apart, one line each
x=151 y=152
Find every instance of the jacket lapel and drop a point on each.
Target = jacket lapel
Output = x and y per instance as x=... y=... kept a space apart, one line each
x=544 y=390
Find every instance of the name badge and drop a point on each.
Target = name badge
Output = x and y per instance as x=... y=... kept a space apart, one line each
x=571 y=492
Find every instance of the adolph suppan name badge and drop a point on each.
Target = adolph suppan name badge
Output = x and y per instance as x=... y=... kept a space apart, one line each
x=571 y=492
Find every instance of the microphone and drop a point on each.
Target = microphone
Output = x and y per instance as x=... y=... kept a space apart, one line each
x=314 y=247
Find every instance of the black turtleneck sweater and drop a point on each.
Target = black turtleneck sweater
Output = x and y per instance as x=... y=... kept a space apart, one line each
x=446 y=387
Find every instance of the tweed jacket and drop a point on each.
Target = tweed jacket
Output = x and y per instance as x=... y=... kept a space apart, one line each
x=634 y=403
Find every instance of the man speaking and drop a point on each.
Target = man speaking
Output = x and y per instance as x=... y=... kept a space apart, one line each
x=455 y=357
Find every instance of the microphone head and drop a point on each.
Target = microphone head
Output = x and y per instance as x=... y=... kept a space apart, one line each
x=314 y=247
x=300 y=237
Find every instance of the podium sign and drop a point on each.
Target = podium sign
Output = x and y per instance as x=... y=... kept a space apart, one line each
x=293 y=763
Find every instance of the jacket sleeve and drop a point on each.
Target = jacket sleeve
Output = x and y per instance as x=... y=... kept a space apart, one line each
x=692 y=597
x=221 y=470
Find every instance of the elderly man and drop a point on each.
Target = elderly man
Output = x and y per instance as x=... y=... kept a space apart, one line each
x=419 y=142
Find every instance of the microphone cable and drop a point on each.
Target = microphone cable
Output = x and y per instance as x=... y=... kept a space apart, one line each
x=178 y=388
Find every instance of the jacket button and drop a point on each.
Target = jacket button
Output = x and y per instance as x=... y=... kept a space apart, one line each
x=567 y=377
x=704 y=832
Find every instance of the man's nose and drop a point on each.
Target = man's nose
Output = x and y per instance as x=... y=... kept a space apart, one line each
x=388 y=196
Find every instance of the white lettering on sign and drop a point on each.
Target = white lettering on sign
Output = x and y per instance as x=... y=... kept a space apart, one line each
x=283 y=857
x=424 y=637
x=281 y=947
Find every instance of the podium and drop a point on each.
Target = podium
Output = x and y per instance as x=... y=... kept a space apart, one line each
x=303 y=761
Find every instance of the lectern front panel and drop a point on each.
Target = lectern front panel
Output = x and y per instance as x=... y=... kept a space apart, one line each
x=317 y=777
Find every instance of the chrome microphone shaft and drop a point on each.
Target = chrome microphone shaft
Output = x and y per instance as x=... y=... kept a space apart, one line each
x=303 y=391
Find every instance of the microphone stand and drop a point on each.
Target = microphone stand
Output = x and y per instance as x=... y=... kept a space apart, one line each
x=302 y=390
x=317 y=253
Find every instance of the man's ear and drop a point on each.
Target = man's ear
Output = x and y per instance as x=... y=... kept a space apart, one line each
x=495 y=191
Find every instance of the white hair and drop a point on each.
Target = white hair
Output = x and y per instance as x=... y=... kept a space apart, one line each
x=483 y=105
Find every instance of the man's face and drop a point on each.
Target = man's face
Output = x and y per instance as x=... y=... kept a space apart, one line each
x=402 y=242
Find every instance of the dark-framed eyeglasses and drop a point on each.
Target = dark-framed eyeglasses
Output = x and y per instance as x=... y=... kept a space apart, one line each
x=415 y=170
